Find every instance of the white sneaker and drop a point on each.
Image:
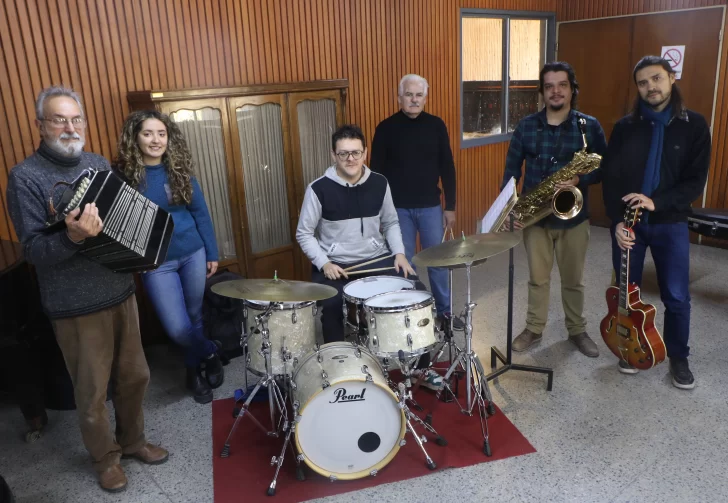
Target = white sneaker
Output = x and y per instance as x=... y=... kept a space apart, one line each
x=626 y=368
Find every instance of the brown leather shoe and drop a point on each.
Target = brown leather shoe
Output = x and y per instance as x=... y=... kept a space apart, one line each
x=113 y=479
x=585 y=344
x=525 y=340
x=149 y=454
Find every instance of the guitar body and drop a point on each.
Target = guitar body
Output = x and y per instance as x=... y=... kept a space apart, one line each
x=631 y=334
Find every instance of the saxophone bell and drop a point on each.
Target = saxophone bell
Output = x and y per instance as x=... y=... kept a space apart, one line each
x=567 y=202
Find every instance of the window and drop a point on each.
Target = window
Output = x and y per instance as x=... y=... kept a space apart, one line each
x=501 y=56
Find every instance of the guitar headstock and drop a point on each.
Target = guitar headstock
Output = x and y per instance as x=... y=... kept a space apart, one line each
x=631 y=216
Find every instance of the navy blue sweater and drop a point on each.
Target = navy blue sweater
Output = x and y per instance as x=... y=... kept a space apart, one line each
x=192 y=224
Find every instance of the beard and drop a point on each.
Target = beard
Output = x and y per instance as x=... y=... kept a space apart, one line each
x=556 y=108
x=660 y=103
x=73 y=149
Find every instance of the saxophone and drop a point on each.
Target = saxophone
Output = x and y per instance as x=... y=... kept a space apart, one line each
x=545 y=199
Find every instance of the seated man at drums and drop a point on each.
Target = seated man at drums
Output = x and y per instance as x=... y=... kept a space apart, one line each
x=348 y=218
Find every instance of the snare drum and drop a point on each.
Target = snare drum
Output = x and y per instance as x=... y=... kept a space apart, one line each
x=350 y=423
x=291 y=331
x=401 y=321
x=356 y=292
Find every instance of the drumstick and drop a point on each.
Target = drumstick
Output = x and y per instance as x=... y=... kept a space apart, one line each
x=445 y=234
x=367 y=263
x=364 y=271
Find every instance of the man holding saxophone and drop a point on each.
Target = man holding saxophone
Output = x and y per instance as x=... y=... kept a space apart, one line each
x=547 y=141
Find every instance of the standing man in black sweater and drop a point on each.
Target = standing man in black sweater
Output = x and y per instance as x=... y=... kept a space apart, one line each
x=657 y=160
x=412 y=150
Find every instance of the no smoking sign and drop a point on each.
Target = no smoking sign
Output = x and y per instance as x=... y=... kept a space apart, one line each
x=675 y=55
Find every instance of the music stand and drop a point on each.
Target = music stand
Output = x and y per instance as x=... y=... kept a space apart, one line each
x=495 y=353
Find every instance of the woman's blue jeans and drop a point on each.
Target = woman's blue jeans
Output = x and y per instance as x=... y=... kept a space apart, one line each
x=176 y=289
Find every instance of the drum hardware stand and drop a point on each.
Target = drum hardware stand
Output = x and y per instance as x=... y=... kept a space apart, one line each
x=289 y=427
x=275 y=395
x=403 y=395
x=495 y=353
x=475 y=376
x=406 y=369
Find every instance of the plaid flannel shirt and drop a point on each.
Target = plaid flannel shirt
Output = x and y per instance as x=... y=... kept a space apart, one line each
x=546 y=150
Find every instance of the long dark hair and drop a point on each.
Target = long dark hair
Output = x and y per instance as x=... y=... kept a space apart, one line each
x=676 y=99
x=561 y=66
x=177 y=158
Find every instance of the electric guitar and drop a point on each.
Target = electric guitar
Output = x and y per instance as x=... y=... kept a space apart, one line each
x=629 y=327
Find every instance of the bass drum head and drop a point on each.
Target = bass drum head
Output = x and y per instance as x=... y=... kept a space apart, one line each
x=350 y=429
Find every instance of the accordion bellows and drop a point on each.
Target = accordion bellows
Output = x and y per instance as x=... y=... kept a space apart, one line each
x=136 y=232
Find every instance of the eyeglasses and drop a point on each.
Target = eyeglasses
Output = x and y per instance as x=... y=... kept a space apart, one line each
x=62 y=122
x=355 y=154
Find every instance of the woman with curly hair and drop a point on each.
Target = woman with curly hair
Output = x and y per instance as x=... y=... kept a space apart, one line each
x=154 y=159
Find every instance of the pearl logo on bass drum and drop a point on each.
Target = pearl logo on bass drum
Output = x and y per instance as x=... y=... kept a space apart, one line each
x=340 y=396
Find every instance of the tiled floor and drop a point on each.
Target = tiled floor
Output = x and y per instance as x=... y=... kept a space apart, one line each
x=600 y=436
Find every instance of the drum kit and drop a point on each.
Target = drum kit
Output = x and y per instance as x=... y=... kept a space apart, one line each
x=335 y=405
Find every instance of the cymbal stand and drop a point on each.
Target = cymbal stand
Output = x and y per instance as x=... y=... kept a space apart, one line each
x=276 y=399
x=495 y=352
x=476 y=387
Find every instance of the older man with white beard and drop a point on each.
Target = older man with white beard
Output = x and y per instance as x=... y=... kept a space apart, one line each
x=93 y=310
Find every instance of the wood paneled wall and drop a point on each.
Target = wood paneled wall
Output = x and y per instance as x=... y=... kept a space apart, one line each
x=717 y=189
x=105 y=48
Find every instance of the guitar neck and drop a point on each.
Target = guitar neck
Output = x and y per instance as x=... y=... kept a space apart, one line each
x=624 y=279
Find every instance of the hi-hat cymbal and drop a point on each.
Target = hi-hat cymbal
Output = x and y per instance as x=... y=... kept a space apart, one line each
x=470 y=250
x=273 y=290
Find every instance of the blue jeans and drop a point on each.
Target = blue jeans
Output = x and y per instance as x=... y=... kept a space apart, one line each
x=428 y=222
x=670 y=247
x=176 y=289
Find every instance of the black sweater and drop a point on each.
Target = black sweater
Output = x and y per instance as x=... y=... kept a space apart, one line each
x=683 y=168
x=414 y=154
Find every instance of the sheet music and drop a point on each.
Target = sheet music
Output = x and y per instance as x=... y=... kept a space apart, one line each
x=506 y=195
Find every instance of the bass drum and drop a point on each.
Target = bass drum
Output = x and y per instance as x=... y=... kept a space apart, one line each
x=350 y=423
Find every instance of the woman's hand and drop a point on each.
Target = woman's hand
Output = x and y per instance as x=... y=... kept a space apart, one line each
x=211 y=268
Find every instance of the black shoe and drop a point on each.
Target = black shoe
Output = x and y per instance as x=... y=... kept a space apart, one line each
x=443 y=321
x=214 y=373
x=201 y=390
x=681 y=376
x=457 y=324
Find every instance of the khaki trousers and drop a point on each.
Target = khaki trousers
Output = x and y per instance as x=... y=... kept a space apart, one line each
x=569 y=246
x=98 y=347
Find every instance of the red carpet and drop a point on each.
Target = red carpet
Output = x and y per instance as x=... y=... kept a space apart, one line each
x=246 y=474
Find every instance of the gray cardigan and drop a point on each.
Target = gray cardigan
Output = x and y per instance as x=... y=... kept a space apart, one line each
x=70 y=284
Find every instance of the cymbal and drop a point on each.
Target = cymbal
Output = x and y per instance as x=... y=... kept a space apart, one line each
x=470 y=250
x=273 y=290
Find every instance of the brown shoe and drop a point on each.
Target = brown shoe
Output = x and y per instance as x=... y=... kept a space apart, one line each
x=525 y=340
x=149 y=454
x=585 y=344
x=113 y=479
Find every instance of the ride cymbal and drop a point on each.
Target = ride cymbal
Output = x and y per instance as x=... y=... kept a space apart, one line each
x=469 y=250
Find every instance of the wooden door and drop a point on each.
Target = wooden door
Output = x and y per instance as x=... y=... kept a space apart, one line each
x=265 y=184
x=314 y=116
x=604 y=52
x=699 y=32
x=600 y=52
x=204 y=125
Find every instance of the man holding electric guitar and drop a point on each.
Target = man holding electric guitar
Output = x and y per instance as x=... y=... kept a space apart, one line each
x=657 y=162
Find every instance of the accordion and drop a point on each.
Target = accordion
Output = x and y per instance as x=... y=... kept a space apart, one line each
x=136 y=232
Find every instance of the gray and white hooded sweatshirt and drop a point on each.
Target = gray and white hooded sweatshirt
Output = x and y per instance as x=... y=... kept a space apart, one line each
x=346 y=223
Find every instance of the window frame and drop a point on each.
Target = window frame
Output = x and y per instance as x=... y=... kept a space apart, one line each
x=506 y=16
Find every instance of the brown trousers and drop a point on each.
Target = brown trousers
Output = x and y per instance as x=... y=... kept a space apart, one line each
x=98 y=347
x=569 y=247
